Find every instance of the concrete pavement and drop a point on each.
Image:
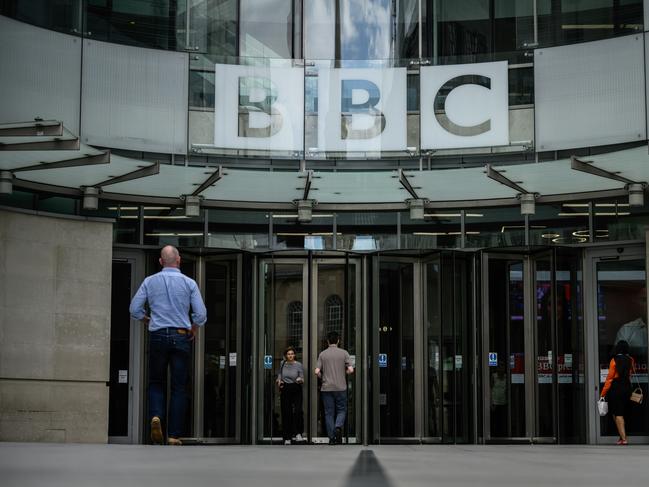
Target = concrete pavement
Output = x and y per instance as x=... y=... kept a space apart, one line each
x=77 y=465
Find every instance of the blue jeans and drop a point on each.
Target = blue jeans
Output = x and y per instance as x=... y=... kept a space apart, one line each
x=168 y=348
x=335 y=410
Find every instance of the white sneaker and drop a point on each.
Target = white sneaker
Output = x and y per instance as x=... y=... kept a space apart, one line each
x=298 y=437
x=287 y=442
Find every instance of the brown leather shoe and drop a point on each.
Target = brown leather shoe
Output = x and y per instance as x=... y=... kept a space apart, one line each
x=174 y=441
x=156 y=431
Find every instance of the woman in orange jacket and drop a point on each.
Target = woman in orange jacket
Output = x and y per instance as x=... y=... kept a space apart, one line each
x=617 y=388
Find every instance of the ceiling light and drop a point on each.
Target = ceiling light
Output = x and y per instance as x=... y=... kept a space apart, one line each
x=192 y=205
x=416 y=206
x=528 y=203
x=636 y=194
x=90 y=198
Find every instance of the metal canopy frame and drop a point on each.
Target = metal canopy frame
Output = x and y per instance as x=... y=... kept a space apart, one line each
x=210 y=181
x=590 y=168
x=502 y=179
x=51 y=128
x=137 y=174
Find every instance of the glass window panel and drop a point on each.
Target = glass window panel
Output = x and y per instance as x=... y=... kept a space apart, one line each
x=521 y=86
x=289 y=233
x=236 y=229
x=60 y=15
x=56 y=204
x=570 y=344
x=127 y=224
x=158 y=24
x=169 y=226
x=495 y=227
x=560 y=223
x=439 y=229
x=570 y=21
x=266 y=28
x=361 y=29
x=464 y=31
x=622 y=315
x=18 y=199
x=213 y=25
x=367 y=231
x=614 y=220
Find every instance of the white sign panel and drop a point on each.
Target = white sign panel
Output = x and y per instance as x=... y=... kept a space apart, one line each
x=259 y=108
x=464 y=105
x=233 y=359
x=362 y=110
x=122 y=377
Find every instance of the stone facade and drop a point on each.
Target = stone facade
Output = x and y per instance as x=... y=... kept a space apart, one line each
x=55 y=298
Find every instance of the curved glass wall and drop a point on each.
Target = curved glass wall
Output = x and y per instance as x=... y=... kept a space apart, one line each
x=449 y=31
x=553 y=224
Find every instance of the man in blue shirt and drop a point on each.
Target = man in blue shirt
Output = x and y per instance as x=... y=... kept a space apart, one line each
x=170 y=294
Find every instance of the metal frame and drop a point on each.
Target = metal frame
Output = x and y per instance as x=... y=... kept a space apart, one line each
x=137 y=366
x=423 y=348
x=591 y=258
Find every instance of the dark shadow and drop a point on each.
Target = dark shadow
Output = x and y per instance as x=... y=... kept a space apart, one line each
x=367 y=472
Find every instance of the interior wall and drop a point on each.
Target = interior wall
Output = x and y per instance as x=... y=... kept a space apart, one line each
x=55 y=296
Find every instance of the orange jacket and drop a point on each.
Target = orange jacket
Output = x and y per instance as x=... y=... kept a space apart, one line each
x=612 y=374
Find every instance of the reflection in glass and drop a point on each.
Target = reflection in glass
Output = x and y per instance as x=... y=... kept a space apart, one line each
x=361 y=29
x=557 y=224
x=396 y=339
x=147 y=23
x=622 y=315
x=237 y=229
x=614 y=220
x=220 y=404
x=439 y=229
x=61 y=15
x=214 y=27
x=545 y=359
x=166 y=225
x=570 y=344
x=571 y=21
x=266 y=28
x=506 y=340
x=433 y=356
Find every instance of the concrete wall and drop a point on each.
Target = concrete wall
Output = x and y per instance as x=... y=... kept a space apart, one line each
x=55 y=295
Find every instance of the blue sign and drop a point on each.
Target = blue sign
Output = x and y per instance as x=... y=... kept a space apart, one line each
x=383 y=360
x=493 y=359
x=268 y=361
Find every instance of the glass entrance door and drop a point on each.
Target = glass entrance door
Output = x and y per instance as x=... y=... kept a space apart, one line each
x=532 y=346
x=422 y=349
x=619 y=310
x=301 y=301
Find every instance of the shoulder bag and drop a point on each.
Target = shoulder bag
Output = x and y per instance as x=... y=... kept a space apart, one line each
x=637 y=395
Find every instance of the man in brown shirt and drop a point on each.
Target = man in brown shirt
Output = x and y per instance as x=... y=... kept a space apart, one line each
x=333 y=364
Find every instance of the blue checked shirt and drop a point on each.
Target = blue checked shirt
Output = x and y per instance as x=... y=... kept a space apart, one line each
x=170 y=294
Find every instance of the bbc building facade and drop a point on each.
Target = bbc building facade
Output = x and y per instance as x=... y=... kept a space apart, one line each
x=456 y=187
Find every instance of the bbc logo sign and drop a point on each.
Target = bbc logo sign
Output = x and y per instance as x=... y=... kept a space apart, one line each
x=361 y=109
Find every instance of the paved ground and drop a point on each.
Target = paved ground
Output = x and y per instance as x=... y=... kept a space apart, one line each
x=56 y=465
